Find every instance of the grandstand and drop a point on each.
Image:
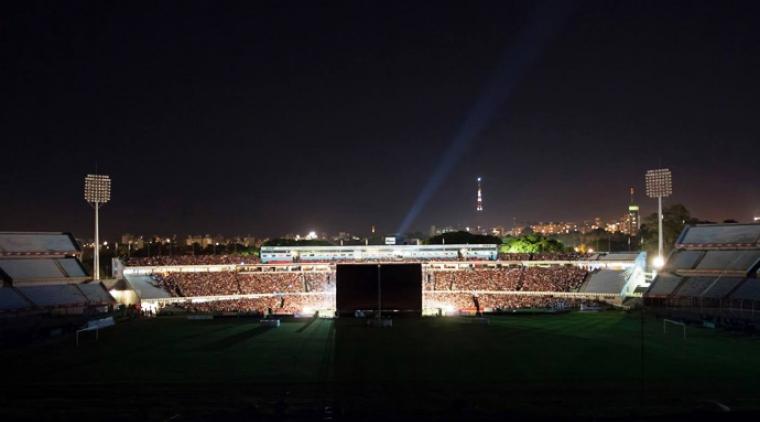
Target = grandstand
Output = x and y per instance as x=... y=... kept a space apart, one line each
x=712 y=274
x=41 y=273
x=450 y=283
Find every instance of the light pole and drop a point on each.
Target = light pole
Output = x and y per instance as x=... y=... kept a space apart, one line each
x=659 y=185
x=379 y=294
x=97 y=191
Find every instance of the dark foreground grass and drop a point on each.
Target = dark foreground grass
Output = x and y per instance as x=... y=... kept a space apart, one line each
x=572 y=366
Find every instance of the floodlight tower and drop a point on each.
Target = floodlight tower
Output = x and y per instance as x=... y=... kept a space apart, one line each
x=97 y=191
x=479 y=203
x=659 y=185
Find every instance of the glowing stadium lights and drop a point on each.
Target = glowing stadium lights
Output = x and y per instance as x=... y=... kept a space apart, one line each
x=659 y=185
x=97 y=191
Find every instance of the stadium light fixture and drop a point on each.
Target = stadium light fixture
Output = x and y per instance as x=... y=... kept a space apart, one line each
x=97 y=192
x=659 y=185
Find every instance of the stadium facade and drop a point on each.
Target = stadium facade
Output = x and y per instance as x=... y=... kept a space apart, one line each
x=282 y=254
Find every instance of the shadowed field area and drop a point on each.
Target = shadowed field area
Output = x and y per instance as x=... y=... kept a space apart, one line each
x=570 y=365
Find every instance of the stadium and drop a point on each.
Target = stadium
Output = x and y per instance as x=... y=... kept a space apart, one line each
x=370 y=333
x=414 y=280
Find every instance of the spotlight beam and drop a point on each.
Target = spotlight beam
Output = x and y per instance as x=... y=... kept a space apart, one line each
x=516 y=61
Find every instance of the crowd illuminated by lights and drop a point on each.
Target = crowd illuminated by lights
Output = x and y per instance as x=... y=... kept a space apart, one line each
x=295 y=291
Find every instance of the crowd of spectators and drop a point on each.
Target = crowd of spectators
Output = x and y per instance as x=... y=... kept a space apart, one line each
x=319 y=281
x=198 y=284
x=533 y=279
x=552 y=279
x=164 y=260
x=283 y=305
x=498 y=302
x=544 y=256
x=476 y=279
x=270 y=282
x=504 y=302
x=536 y=279
x=222 y=283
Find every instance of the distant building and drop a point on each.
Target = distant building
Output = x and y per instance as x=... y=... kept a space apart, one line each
x=554 y=228
x=132 y=242
x=202 y=240
x=633 y=224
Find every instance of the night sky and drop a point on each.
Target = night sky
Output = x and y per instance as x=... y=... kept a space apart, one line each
x=280 y=117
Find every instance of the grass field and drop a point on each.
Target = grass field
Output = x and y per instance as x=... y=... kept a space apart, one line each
x=582 y=365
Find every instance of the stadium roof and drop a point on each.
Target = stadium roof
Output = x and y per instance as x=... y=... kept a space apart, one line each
x=42 y=243
x=41 y=270
x=715 y=236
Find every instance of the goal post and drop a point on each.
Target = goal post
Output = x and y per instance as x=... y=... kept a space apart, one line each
x=671 y=322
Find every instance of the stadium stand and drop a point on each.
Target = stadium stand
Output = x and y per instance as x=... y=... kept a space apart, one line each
x=694 y=286
x=253 y=287
x=54 y=295
x=605 y=281
x=95 y=293
x=41 y=271
x=721 y=286
x=12 y=301
x=728 y=260
x=711 y=274
x=28 y=244
x=683 y=259
x=749 y=291
x=146 y=287
x=163 y=260
x=664 y=285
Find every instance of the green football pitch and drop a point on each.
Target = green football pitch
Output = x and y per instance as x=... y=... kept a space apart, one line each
x=582 y=365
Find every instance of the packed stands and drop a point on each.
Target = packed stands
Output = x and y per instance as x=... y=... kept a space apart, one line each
x=544 y=256
x=226 y=283
x=319 y=281
x=455 y=302
x=271 y=282
x=165 y=260
x=299 y=290
x=200 y=284
x=478 y=279
x=505 y=302
x=553 y=279
x=275 y=304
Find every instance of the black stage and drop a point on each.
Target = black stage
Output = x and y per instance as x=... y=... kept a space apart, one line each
x=400 y=287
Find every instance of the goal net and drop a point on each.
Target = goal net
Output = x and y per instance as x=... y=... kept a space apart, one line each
x=674 y=326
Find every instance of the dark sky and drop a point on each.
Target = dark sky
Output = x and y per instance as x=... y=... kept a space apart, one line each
x=272 y=117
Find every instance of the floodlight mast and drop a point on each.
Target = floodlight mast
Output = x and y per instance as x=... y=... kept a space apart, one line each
x=659 y=185
x=97 y=191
